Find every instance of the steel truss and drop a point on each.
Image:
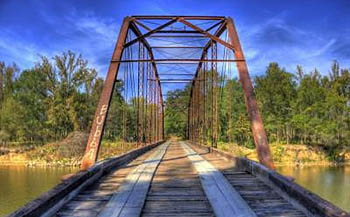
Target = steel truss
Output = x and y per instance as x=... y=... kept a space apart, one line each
x=203 y=109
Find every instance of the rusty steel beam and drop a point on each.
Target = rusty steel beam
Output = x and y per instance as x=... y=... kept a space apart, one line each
x=189 y=81
x=257 y=126
x=177 y=63
x=172 y=79
x=179 y=47
x=142 y=25
x=215 y=25
x=178 y=31
x=179 y=60
x=98 y=124
x=177 y=36
x=212 y=37
x=186 y=17
x=150 y=32
x=176 y=74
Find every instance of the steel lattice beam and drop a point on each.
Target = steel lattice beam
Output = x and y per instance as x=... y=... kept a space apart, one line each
x=198 y=90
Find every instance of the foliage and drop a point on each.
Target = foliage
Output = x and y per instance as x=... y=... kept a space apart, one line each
x=176 y=105
x=48 y=101
x=304 y=108
x=59 y=95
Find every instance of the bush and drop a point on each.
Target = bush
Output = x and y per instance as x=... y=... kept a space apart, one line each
x=73 y=145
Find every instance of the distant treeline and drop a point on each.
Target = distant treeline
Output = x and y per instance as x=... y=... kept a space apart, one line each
x=50 y=100
x=59 y=95
x=302 y=108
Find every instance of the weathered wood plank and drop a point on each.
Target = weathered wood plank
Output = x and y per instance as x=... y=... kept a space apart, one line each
x=51 y=201
x=83 y=205
x=174 y=214
x=82 y=197
x=130 y=197
x=224 y=199
x=80 y=213
x=176 y=205
x=176 y=192
x=303 y=200
x=176 y=189
x=186 y=198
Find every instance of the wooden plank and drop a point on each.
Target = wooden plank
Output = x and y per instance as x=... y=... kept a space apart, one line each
x=80 y=213
x=224 y=199
x=173 y=192
x=177 y=214
x=176 y=189
x=50 y=202
x=81 y=197
x=131 y=195
x=99 y=192
x=71 y=195
x=245 y=182
x=176 y=198
x=82 y=205
x=303 y=200
x=176 y=205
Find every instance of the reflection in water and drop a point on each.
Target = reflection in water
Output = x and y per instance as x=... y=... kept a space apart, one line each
x=20 y=184
x=329 y=182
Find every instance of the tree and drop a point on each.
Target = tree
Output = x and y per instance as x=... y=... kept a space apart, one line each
x=7 y=80
x=275 y=92
x=66 y=77
x=176 y=107
x=50 y=100
x=12 y=114
x=30 y=92
x=234 y=121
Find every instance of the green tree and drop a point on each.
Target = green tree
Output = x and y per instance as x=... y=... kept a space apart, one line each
x=176 y=112
x=275 y=92
x=234 y=121
x=30 y=92
x=67 y=75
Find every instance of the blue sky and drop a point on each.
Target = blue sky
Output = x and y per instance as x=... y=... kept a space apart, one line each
x=311 y=33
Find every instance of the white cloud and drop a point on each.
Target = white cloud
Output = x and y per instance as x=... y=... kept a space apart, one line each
x=275 y=40
x=15 y=49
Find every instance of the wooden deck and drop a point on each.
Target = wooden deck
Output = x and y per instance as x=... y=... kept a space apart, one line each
x=179 y=179
x=176 y=190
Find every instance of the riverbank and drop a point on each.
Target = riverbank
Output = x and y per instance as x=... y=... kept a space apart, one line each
x=46 y=156
x=69 y=152
x=292 y=154
x=66 y=153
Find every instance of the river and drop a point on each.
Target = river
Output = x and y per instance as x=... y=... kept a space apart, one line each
x=329 y=182
x=20 y=184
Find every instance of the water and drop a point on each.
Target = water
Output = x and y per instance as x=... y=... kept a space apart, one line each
x=329 y=182
x=20 y=184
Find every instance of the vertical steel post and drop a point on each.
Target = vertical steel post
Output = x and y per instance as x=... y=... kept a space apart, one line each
x=259 y=134
x=205 y=69
x=215 y=96
x=154 y=112
x=197 y=111
x=98 y=124
x=125 y=105
x=148 y=77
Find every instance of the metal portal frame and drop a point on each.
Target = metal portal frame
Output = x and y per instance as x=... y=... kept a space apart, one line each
x=144 y=32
